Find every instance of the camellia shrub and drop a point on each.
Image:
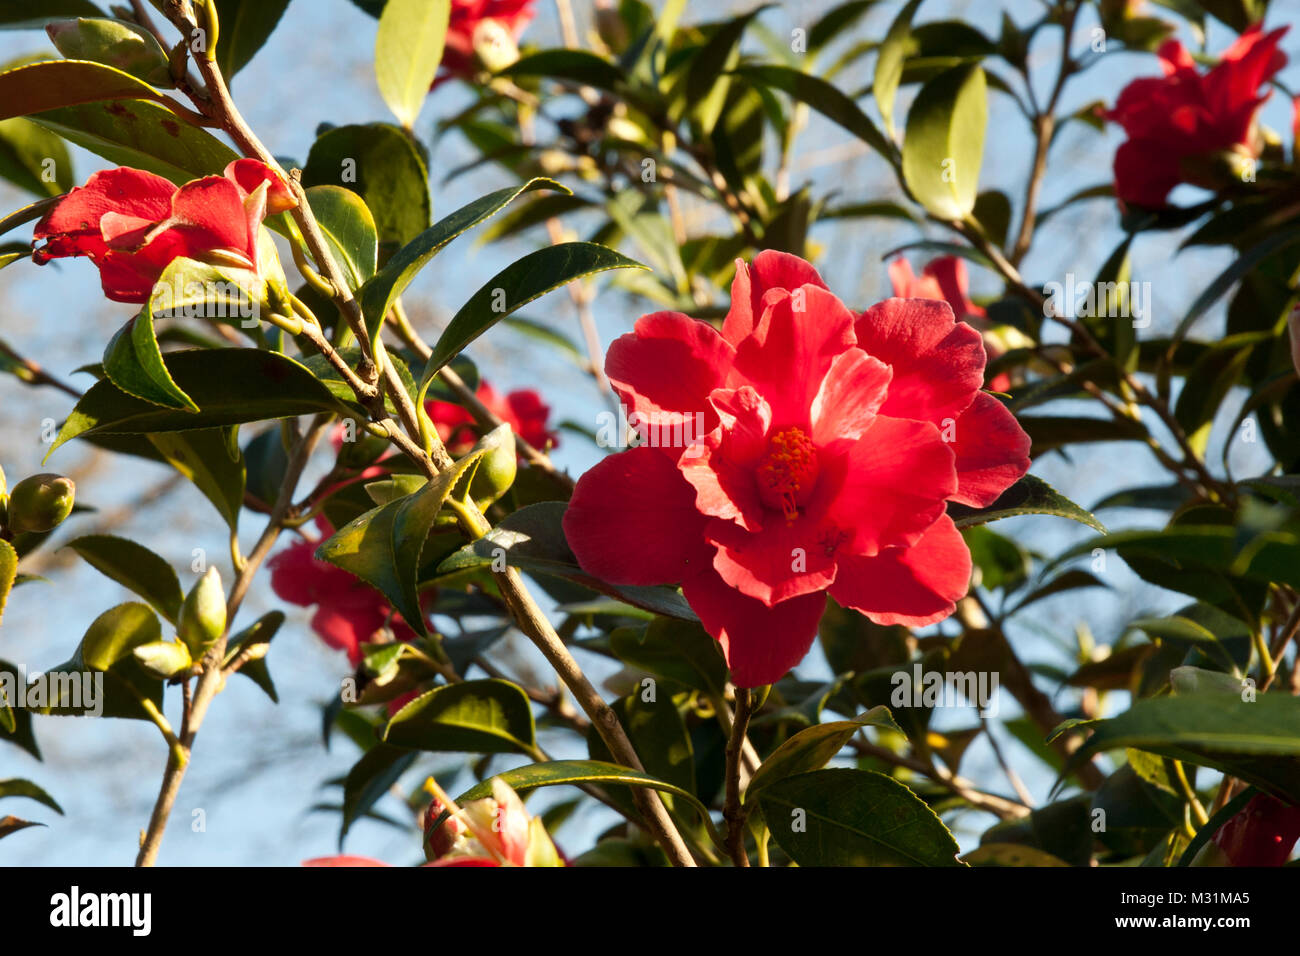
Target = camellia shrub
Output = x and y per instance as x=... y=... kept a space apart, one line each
x=777 y=595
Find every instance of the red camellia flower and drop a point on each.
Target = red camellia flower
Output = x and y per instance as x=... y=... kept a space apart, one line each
x=827 y=445
x=349 y=612
x=1262 y=834
x=523 y=410
x=1186 y=115
x=132 y=224
x=469 y=16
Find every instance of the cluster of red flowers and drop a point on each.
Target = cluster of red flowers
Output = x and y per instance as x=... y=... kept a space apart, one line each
x=833 y=443
x=1178 y=122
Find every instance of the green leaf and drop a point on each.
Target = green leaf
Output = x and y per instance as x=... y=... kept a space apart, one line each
x=855 y=818
x=51 y=84
x=658 y=735
x=824 y=98
x=706 y=87
x=383 y=546
x=379 y=294
x=574 y=66
x=477 y=716
x=1028 y=496
x=134 y=363
x=380 y=163
x=349 y=228
x=1255 y=740
x=1049 y=432
x=25 y=788
x=19 y=15
x=260 y=631
x=204 y=457
x=1010 y=854
x=943 y=145
x=555 y=773
x=230 y=386
x=408 y=49
x=245 y=25
x=678 y=651
x=134 y=567
x=835 y=20
x=532 y=539
x=8 y=572
x=371 y=779
x=514 y=287
x=812 y=748
x=141 y=134
x=116 y=633
x=11 y=824
x=889 y=63
x=34 y=159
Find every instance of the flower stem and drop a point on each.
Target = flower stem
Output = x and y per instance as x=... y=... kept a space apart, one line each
x=732 y=811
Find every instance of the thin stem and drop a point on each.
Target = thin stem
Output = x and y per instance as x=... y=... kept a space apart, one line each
x=732 y=812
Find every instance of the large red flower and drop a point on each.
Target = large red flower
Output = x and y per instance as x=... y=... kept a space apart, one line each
x=349 y=612
x=1186 y=115
x=1263 y=834
x=132 y=224
x=831 y=444
x=467 y=16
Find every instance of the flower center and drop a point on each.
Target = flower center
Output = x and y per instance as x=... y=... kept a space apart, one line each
x=788 y=471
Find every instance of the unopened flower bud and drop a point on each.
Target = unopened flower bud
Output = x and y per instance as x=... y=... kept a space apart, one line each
x=116 y=43
x=40 y=503
x=164 y=658
x=496 y=469
x=203 y=615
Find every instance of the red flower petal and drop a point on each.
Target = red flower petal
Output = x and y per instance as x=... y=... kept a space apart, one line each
x=912 y=586
x=208 y=214
x=992 y=452
x=770 y=270
x=792 y=348
x=850 y=396
x=895 y=479
x=1145 y=172
x=938 y=362
x=721 y=467
x=632 y=520
x=343 y=860
x=669 y=365
x=248 y=174
x=784 y=560
x=760 y=643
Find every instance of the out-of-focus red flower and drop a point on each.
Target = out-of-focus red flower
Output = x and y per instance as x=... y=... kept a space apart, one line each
x=131 y=224
x=349 y=612
x=945 y=279
x=523 y=410
x=469 y=16
x=1263 y=834
x=829 y=444
x=1189 y=116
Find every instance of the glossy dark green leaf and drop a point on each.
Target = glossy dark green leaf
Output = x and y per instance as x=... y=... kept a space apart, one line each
x=51 y=84
x=24 y=15
x=134 y=363
x=854 y=818
x=349 y=228
x=574 y=66
x=371 y=779
x=390 y=282
x=943 y=145
x=1056 y=431
x=230 y=386
x=514 y=287
x=478 y=716
x=15 y=787
x=244 y=26
x=204 y=457
x=142 y=134
x=1028 y=496
x=408 y=49
x=260 y=631
x=34 y=159
x=706 y=84
x=383 y=546
x=134 y=567
x=824 y=98
x=812 y=748
x=379 y=163
x=679 y=651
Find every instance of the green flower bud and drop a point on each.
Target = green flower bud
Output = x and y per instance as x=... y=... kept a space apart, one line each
x=128 y=47
x=40 y=503
x=497 y=468
x=203 y=615
x=164 y=658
